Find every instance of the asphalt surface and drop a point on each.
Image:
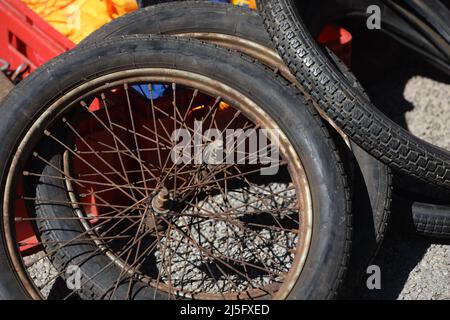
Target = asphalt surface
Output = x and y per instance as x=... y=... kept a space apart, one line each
x=412 y=267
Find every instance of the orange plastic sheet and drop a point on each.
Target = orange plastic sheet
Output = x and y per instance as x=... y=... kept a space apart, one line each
x=76 y=19
x=245 y=3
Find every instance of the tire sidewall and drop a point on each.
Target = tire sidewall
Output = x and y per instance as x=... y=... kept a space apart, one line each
x=328 y=253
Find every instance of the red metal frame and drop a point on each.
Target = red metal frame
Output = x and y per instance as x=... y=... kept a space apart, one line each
x=26 y=38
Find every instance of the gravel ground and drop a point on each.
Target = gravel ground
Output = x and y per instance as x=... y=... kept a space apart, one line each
x=430 y=118
x=5 y=85
x=416 y=267
x=269 y=248
x=412 y=267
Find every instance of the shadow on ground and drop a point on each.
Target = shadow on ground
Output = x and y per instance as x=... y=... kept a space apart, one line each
x=385 y=72
x=400 y=253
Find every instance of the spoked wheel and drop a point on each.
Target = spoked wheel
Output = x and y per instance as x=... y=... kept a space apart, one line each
x=187 y=228
x=166 y=183
x=242 y=29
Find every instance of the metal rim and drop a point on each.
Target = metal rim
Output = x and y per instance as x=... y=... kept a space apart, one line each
x=199 y=82
x=263 y=54
x=266 y=56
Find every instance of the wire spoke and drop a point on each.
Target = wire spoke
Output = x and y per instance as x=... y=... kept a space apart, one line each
x=136 y=219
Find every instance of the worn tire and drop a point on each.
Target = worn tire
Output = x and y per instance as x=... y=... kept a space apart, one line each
x=431 y=220
x=372 y=180
x=345 y=104
x=331 y=238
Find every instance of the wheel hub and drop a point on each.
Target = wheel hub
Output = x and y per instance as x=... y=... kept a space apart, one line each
x=158 y=205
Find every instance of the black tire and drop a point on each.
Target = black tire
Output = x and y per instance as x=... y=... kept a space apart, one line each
x=349 y=108
x=418 y=218
x=431 y=220
x=147 y=3
x=331 y=237
x=372 y=179
x=371 y=210
x=178 y=17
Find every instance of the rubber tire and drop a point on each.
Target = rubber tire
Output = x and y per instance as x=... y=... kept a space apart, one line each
x=187 y=16
x=331 y=240
x=431 y=220
x=371 y=181
x=349 y=108
x=427 y=219
x=418 y=218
